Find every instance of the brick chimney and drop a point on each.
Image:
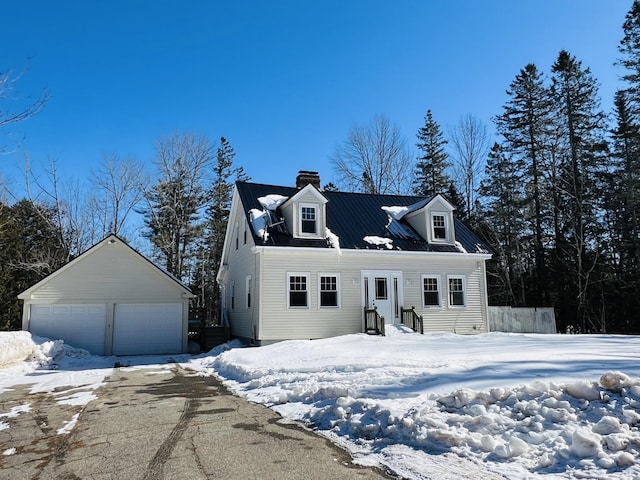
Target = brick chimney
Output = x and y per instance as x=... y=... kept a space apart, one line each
x=305 y=177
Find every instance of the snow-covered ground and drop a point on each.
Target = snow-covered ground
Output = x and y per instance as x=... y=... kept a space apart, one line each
x=436 y=406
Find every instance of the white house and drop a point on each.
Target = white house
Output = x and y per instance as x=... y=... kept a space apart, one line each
x=110 y=300
x=301 y=263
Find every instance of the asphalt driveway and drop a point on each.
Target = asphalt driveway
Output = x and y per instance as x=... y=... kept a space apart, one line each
x=162 y=424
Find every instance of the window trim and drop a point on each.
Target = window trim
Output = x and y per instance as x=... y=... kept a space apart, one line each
x=447 y=228
x=316 y=209
x=307 y=276
x=463 y=279
x=438 y=279
x=338 y=290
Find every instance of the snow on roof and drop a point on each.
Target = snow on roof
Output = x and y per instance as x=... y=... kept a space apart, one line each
x=333 y=240
x=272 y=201
x=375 y=240
x=259 y=223
x=396 y=212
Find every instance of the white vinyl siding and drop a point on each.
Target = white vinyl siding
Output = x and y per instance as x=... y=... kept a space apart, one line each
x=279 y=322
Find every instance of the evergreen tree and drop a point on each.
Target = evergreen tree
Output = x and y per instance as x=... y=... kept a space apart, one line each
x=175 y=202
x=526 y=124
x=30 y=249
x=622 y=206
x=217 y=217
x=505 y=229
x=431 y=169
x=630 y=49
x=581 y=155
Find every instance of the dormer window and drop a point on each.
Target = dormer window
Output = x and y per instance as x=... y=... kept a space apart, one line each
x=439 y=227
x=308 y=219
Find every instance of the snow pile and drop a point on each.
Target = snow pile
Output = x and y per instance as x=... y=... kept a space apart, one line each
x=333 y=240
x=15 y=347
x=401 y=399
x=375 y=240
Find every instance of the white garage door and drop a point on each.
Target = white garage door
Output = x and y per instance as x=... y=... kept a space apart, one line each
x=147 y=328
x=81 y=326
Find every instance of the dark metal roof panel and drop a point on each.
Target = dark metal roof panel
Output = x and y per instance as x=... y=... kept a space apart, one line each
x=353 y=216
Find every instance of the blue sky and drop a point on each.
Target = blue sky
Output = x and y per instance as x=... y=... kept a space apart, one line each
x=283 y=81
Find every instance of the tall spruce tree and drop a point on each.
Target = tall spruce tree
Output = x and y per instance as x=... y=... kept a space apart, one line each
x=431 y=168
x=504 y=196
x=217 y=217
x=581 y=156
x=622 y=206
x=526 y=125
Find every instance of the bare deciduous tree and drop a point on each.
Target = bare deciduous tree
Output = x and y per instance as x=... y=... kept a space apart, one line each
x=8 y=82
x=470 y=142
x=374 y=159
x=175 y=202
x=118 y=187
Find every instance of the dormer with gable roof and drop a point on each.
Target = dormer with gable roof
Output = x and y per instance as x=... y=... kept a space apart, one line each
x=305 y=213
x=434 y=221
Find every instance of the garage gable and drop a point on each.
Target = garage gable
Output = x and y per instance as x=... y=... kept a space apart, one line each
x=109 y=270
x=110 y=300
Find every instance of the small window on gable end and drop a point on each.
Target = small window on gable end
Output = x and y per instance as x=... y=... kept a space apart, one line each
x=237 y=236
x=245 y=233
x=308 y=219
x=439 y=224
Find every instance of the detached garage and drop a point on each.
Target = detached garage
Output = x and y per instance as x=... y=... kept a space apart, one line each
x=110 y=300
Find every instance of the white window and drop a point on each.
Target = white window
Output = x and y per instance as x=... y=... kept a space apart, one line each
x=308 y=219
x=329 y=290
x=439 y=226
x=430 y=291
x=298 y=290
x=248 y=286
x=456 y=291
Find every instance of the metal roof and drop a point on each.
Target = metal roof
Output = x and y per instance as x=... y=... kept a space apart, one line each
x=353 y=216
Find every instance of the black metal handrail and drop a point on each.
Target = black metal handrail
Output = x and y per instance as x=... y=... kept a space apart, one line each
x=412 y=320
x=373 y=321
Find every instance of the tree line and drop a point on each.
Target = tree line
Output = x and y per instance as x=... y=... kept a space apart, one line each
x=556 y=195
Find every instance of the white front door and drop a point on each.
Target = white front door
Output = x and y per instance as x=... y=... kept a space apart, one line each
x=382 y=290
